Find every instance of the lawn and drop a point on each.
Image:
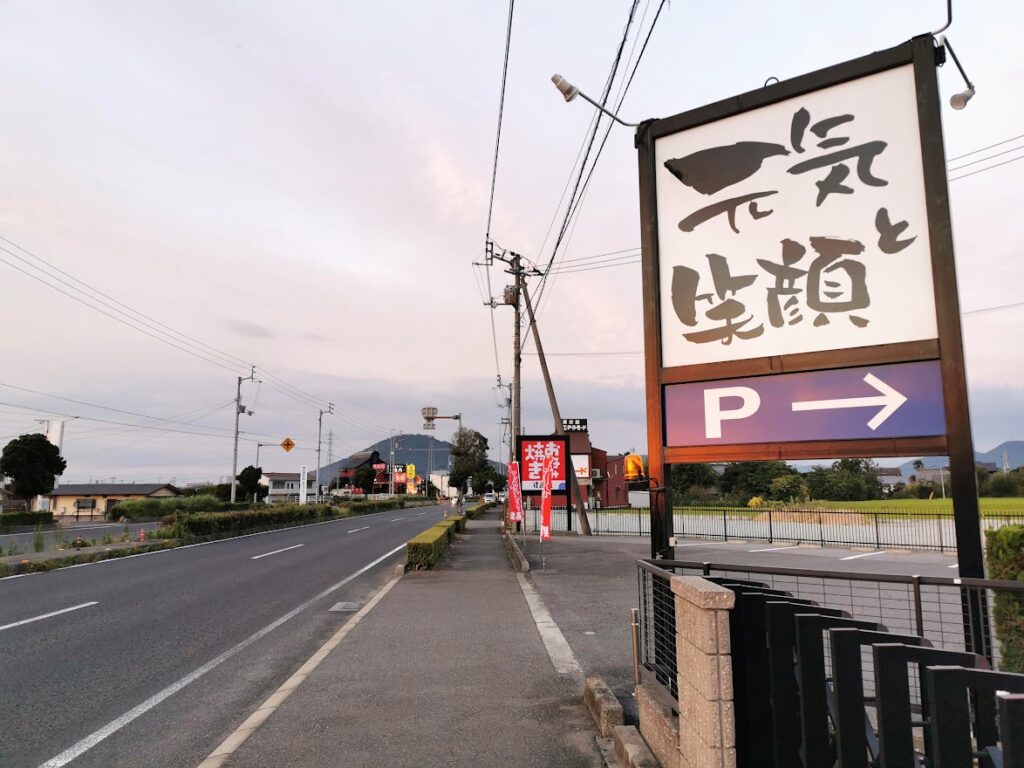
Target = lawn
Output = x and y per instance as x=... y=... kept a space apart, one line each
x=988 y=505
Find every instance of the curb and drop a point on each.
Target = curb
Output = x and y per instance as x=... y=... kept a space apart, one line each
x=631 y=751
x=519 y=561
x=603 y=706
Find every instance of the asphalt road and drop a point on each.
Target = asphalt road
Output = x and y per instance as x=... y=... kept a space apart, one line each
x=171 y=651
x=52 y=536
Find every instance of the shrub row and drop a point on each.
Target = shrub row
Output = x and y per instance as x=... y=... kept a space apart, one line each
x=428 y=548
x=8 y=519
x=154 y=509
x=50 y=564
x=478 y=509
x=1005 y=549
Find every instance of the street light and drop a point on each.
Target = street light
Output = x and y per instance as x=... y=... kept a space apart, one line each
x=959 y=100
x=570 y=92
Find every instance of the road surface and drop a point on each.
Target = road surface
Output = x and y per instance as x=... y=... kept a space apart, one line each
x=153 y=660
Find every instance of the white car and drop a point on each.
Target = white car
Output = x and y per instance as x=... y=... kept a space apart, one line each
x=490 y=497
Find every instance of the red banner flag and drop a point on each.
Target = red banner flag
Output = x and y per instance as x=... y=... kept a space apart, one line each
x=515 y=493
x=545 y=498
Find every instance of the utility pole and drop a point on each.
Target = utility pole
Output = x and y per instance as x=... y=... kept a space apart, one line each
x=517 y=356
x=559 y=429
x=330 y=446
x=238 y=412
x=391 y=465
x=319 y=431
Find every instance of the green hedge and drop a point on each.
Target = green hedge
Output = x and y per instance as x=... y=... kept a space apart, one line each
x=183 y=525
x=428 y=548
x=8 y=519
x=479 y=509
x=154 y=509
x=1005 y=548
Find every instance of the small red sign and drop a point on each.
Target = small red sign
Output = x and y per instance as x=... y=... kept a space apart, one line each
x=545 y=497
x=515 y=493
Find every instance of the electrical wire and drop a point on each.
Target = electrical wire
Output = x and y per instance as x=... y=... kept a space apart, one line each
x=990 y=146
x=986 y=159
x=989 y=168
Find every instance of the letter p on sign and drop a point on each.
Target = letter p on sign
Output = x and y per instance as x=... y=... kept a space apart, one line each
x=715 y=414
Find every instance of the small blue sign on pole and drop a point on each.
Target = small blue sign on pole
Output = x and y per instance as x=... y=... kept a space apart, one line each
x=877 y=401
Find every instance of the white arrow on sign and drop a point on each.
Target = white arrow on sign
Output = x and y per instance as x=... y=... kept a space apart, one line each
x=888 y=398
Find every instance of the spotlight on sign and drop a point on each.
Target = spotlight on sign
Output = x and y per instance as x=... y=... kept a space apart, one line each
x=959 y=100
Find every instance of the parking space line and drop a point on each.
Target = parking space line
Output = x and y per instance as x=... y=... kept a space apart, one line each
x=863 y=554
x=954 y=565
x=773 y=549
x=47 y=615
x=703 y=544
x=268 y=554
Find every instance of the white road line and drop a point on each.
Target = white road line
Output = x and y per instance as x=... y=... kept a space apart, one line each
x=955 y=565
x=864 y=554
x=773 y=549
x=397 y=519
x=357 y=530
x=47 y=615
x=231 y=744
x=268 y=554
x=114 y=726
x=554 y=641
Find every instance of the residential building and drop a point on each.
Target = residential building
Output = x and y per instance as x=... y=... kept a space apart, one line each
x=284 y=487
x=98 y=499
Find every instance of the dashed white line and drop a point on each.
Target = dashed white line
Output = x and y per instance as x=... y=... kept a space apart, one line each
x=357 y=530
x=397 y=519
x=773 y=549
x=955 y=565
x=864 y=554
x=268 y=554
x=47 y=615
x=114 y=726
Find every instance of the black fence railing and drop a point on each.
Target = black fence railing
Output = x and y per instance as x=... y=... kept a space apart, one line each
x=809 y=648
x=881 y=528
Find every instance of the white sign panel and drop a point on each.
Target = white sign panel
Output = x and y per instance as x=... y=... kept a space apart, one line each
x=581 y=466
x=796 y=227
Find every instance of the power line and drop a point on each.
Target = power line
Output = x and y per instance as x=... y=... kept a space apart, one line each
x=501 y=111
x=989 y=168
x=986 y=159
x=990 y=146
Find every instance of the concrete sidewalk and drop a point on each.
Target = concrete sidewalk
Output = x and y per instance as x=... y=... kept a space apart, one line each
x=448 y=669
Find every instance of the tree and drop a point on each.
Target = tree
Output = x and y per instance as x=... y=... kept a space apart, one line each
x=789 y=488
x=469 y=454
x=753 y=478
x=363 y=478
x=33 y=463
x=249 y=483
x=687 y=476
x=845 y=480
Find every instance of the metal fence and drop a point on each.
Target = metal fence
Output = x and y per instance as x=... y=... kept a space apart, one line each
x=952 y=616
x=881 y=529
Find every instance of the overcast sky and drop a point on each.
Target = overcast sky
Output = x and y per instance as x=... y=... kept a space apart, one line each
x=304 y=186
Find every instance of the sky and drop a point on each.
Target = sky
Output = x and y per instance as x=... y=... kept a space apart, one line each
x=304 y=187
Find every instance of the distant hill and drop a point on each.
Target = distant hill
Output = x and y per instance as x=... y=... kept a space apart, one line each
x=420 y=450
x=1014 y=454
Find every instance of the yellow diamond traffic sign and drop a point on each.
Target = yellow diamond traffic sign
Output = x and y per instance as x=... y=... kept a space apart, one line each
x=287 y=444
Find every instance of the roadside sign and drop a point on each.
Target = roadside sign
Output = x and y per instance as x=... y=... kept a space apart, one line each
x=287 y=444
x=574 y=425
x=547 y=473
x=532 y=450
x=515 y=493
x=892 y=401
x=799 y=284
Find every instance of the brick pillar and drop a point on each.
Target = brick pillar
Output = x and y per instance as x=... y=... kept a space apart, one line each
x=707 y=729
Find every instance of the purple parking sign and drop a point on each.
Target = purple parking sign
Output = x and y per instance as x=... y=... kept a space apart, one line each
x=887 y=401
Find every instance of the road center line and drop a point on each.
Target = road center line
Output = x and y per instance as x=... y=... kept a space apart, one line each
x=114 y=726
x=47 y=615
x=397 y=519
x=357 y=530
x=773 y=549
x=268 y=554
x=864 y=554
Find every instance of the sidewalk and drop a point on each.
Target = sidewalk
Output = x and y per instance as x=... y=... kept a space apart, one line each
x=448 y=669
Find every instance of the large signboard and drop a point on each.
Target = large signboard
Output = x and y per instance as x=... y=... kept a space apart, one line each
x=800 y=295
x=531 y=450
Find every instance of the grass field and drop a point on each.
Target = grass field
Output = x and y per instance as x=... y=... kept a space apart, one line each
x=988 y=505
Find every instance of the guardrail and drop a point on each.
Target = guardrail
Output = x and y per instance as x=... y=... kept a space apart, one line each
x=881 y=529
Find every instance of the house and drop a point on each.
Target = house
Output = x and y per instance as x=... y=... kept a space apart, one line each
x=98 y=499
x=347 y=468
x=890 y=477
x=614 y=491
x=284 y=486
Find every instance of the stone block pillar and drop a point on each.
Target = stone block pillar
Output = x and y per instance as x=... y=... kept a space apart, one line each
x=707 y=728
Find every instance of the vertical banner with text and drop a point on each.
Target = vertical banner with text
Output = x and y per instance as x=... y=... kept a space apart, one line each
x=547 y=473
x=515 y=493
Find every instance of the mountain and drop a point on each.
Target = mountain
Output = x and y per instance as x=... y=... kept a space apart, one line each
x=422 y=450
x=1014 y=454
